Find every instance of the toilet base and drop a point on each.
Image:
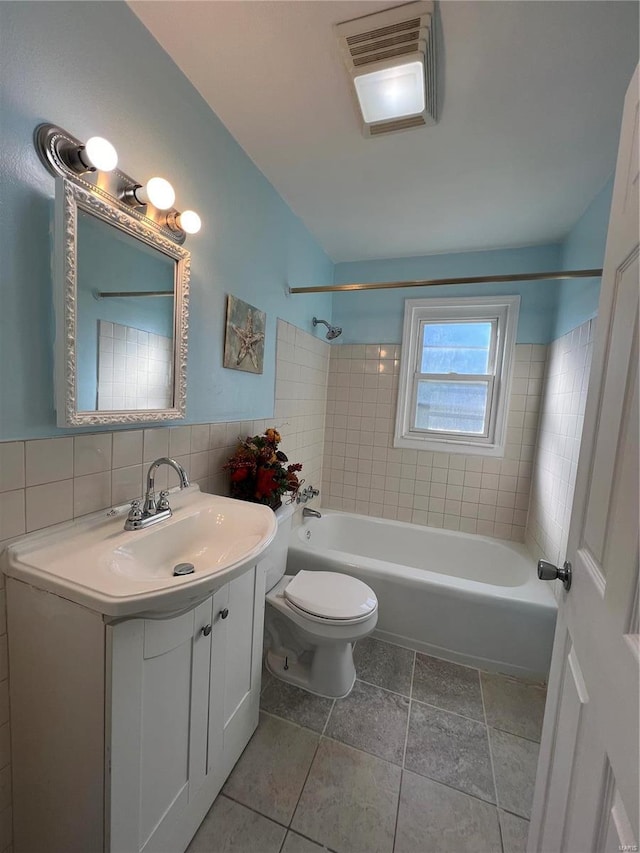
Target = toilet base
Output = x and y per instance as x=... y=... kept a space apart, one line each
x=328 y=672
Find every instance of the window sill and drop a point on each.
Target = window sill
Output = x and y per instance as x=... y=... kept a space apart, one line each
x=443 y=445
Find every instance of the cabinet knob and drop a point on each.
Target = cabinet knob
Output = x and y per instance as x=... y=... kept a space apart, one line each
x=224 y=613
x=206 y=630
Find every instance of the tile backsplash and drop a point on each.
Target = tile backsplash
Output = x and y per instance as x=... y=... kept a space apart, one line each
x=46 y=481
x=364 y=473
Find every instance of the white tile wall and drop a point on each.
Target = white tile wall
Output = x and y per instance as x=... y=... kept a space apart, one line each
x=364 y=473
x=301 y=398
x=43 y=482
x=561 y=420
x=135 y=368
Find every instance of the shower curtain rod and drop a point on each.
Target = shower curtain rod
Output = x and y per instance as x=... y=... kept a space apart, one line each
x=107 y=294
x=436 y=282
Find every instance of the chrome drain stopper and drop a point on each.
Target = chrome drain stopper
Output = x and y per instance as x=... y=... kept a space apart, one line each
x=183 y=569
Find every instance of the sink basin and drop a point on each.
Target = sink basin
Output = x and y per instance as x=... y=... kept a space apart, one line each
x=95 y=562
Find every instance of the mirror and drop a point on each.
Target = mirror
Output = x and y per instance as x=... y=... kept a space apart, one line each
x=121 y=291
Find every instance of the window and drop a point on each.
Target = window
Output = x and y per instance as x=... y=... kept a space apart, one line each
x=455 y=374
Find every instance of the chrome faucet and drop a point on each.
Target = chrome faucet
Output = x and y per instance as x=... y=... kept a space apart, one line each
x=154 y=511
x=307 y=512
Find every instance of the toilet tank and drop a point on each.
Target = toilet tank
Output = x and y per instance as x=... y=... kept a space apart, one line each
x=275 y=559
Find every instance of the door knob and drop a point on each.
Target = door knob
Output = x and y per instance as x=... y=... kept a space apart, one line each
x=549 y=572
x=206 y=630
x=224 y=613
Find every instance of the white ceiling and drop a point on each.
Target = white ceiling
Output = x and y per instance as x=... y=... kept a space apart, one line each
x=528 y=133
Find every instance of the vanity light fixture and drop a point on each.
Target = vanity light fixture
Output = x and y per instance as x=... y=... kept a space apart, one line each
x=92 y=166
x=188 y=221
x=157 y=191
x=97 y=155
x=100 y=153
x=390 y=57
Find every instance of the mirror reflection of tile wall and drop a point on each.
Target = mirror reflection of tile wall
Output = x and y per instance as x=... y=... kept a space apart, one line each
x=135 y=368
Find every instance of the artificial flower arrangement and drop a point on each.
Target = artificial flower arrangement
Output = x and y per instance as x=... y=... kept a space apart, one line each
x=257 y=470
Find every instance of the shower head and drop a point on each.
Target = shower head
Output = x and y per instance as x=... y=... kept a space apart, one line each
x=332 y=331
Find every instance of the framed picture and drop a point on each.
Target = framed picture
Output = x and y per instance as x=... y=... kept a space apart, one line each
x=244 y=337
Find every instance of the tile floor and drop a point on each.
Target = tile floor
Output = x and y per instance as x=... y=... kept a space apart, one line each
x=423 y=756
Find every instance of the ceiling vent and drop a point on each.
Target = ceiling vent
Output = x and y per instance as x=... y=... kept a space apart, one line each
x=391 y=58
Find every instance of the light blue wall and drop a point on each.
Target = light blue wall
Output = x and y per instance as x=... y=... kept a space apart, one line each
x=94 y=69
x=583 y=249
x=375 y=316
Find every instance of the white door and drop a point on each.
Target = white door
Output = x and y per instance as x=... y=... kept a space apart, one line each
x=586 y=795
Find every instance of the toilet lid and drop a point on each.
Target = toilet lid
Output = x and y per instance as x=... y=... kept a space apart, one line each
x=330 y=595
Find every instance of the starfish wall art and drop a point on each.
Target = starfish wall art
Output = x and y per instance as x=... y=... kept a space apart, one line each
x=244 y=338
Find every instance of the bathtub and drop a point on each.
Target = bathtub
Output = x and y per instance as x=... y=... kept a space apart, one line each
x=465 y=598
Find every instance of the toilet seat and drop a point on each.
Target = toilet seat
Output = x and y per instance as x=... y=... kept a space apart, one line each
x=330 y=597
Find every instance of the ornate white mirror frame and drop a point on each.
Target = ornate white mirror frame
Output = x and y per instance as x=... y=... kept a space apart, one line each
x=71 y=197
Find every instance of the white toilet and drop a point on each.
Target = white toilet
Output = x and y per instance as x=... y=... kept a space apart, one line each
x=312 y=620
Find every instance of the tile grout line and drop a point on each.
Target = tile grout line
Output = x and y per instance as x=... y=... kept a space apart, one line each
x=326 y=722
x=404 y=750
x=447 y=711
x=493 y=770
x=386 y=689
x=293 y=814
x=406 y=735
x=250 y=808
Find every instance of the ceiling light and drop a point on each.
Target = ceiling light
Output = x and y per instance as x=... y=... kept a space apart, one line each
x=391 y=58
x=391 y=92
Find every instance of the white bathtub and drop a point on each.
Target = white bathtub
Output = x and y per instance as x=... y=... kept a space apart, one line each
x=465 y=598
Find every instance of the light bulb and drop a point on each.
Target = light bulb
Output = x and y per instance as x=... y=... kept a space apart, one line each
x=101 y=154
x=190 y=221
x=159 y=192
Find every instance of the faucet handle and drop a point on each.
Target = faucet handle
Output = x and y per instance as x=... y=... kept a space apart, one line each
x=135 y=513
x=163 y=502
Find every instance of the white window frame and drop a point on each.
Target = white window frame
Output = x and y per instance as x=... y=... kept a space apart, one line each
x=503 y=312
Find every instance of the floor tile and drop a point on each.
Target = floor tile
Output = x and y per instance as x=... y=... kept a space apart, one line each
x=232 y=828
x=450 y=749
x=448 y=685
x=271 y=771
x=297 y=705
x=295 y=843
x=349 y=801
x=384 y=665
x=514 y=761
x=513 y=706
x=438 y=819
x=515 y=831
x=371 y=719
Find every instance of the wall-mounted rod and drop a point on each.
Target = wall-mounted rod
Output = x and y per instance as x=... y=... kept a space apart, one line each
x=437 y=282
x=106 y=294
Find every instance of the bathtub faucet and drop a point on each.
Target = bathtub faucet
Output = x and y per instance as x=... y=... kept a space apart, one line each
x=310 y=513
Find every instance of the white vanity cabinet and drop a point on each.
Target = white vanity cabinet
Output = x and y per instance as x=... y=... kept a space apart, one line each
x=139 y=727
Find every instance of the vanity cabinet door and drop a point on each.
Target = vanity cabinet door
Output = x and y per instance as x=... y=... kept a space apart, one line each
x=159 y=719
x=236 y=660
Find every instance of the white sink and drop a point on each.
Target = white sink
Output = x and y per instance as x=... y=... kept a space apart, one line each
x=95 y=562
